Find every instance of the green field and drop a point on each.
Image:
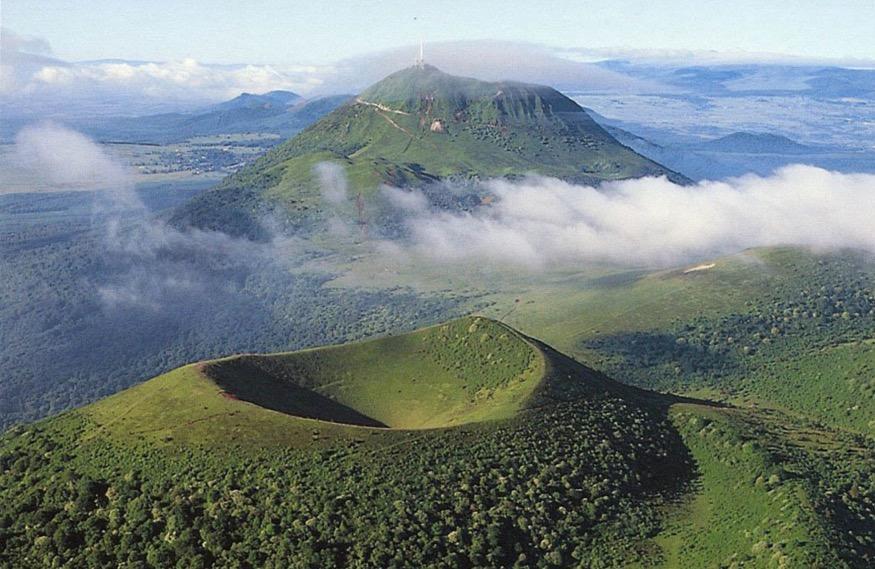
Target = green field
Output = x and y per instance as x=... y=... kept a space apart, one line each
x=781 y=327
x=750 y=507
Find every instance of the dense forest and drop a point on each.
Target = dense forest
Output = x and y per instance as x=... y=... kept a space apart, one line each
x=576 y=483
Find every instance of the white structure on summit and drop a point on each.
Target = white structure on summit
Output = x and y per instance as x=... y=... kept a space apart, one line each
x=420 y=61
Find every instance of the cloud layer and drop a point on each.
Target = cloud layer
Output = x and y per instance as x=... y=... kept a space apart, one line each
x=148 y=265
x=690 y=57
x=57 y=158
x=534 y=223
x=544 y=222
x=490 y=60
x=31 y=80
x=36 y=82
x=183 y=79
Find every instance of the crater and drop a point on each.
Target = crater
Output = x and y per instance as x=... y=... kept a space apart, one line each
x=467 y=370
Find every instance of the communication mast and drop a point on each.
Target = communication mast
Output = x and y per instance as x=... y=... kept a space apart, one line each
x=420 y=61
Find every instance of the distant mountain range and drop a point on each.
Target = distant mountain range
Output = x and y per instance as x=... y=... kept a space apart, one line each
x=742 y=153
x=278 y=112
x=753 y=79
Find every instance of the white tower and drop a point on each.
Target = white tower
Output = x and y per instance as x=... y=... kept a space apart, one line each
x=420 y=61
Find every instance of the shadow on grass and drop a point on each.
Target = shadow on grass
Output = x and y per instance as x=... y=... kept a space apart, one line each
x=248 y=379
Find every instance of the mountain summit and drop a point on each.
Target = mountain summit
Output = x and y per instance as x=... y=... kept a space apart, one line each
x=427 y=89
x=417 y=126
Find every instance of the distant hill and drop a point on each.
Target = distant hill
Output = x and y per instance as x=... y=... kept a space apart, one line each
x=277 y=112
x=271 y=99
x=697 y=166
x=754 y=79
x=418 y=126
x=756 y=143
x=258 y=114
x=741 y=153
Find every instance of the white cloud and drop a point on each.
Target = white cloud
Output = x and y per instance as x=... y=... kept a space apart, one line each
x=489 y=60
x=540 y=222
x=405 y=200
x=20 y=58
x=31 y=80
x=153 y=265
x=14 y=42
x=186 y=78
x=332 y=182
x=670 y=57
x=57 y=158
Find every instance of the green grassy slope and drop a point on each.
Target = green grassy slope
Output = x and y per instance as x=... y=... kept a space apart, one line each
x=467 y=370
x=833 y=383
x=417 y=126
x=538 y=462
x=803 y=343
x=782 y=327
x=756 y=502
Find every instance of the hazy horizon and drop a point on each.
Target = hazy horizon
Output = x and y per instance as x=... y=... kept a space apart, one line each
x=258 y=32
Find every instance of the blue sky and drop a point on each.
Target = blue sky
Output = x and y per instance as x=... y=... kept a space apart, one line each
x=286 y=32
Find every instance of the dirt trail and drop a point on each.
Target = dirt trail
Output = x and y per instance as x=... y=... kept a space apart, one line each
x=704 y=267
x=396 y=125
x=381 y=107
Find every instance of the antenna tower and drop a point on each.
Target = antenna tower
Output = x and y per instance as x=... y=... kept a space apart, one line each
x=420 y=61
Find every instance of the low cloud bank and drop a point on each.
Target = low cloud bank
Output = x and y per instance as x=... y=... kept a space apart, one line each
x=147 y=264
x=332 y=181
x=57 y=158
x=543 y=222
x=489 y=60
x=535 y=223
x=33 y=82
